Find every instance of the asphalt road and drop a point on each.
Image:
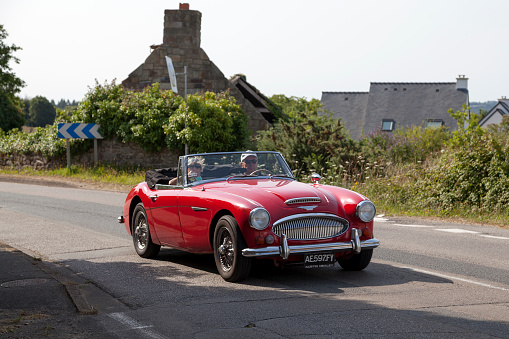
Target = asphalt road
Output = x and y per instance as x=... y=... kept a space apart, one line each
x=428 y=279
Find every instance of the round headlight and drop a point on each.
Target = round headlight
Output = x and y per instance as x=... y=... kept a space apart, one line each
x=365 y=211
x=259 y=218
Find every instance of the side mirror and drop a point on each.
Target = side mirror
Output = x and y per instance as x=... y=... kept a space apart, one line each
x=315 y=178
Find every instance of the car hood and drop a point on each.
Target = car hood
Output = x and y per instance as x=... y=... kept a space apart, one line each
x=274 y=191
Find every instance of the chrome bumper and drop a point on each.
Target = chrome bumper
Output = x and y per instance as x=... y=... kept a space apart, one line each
x=285 y=251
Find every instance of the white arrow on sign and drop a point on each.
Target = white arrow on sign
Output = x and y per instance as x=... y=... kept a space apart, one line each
x=79 y=131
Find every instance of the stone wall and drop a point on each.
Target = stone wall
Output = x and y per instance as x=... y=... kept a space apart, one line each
x=34 y=161
x=127 y=154
x=181 y=42
x=109 y=152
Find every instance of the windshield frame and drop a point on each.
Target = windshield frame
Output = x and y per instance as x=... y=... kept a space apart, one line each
x=279 y=157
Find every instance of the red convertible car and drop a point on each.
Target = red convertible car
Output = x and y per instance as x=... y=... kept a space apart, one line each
x=247 y=205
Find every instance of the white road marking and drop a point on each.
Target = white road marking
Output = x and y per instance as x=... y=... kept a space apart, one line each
x=449 y=230
x=455 y=230
x=417 y=226
x=494 y=237
x=132 y=324
x=456 y=278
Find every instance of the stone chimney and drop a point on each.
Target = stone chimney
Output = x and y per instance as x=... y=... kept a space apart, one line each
x=182 y=28
x=181 y=42
x=461 y=83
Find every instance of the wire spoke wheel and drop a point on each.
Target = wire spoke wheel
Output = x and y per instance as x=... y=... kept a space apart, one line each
x=141 y=234
x=228 y=245
x=226 y=251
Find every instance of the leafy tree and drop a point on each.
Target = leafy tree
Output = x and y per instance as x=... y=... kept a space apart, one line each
x=11 y=115
x=296 y=108
x=26 y=109
x=41 y=112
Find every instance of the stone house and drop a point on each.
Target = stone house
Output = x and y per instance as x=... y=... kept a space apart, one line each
x=496 y=114
x=389 y=105
x=181 y=42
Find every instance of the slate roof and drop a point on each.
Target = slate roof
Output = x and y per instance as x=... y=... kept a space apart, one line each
x=406 y=104
x=350 y=107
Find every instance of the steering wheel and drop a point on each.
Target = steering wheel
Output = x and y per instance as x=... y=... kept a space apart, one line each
x=261 y=170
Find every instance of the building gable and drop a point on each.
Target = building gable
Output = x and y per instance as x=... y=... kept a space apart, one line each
x=496 y=114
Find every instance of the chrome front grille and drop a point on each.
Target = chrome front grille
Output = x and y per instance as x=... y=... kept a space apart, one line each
x=310 y=226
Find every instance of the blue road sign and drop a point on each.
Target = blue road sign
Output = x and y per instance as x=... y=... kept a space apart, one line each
x=79 y=131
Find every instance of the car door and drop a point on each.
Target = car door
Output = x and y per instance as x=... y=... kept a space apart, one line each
x=195 y=217
x=165 y=215
x=164 y=211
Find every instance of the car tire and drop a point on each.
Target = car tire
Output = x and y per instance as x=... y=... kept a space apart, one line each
x=357 y=262
x=141 y=234
x=228 y=245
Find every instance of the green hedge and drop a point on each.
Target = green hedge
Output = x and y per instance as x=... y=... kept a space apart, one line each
x=151 y=118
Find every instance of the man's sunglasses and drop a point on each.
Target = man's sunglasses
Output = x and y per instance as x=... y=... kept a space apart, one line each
x=251 y=161
x=194 y=166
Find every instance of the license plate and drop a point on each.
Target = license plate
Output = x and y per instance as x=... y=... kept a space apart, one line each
x=315 y=260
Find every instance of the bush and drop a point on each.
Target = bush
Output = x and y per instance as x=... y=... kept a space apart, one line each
x=405 y=145
x=475 y=175
x=42 y=140
x=154 y=118
x=209 y=123
x=317 y=144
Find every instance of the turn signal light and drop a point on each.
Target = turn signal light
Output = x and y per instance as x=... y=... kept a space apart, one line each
x=367 y=233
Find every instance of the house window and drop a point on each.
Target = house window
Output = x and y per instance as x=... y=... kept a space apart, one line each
x=434 y=123
x=387 y=125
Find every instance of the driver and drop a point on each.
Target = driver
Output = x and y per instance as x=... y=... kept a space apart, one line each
x=249 y=161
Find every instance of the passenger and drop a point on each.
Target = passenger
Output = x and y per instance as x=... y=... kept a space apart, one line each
x=194 y=168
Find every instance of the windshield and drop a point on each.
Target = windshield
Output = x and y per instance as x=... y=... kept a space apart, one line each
x=221 y=166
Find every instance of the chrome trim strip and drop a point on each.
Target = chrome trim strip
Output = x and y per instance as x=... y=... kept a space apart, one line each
x=272 y=251
x=198 y=209
x=303 y=200
x=307 y=215
x=310 y=226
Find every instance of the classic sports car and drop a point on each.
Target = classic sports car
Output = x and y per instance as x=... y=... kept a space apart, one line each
x=246 y=205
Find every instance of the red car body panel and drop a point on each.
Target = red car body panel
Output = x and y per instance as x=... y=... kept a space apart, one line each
x=184 y=218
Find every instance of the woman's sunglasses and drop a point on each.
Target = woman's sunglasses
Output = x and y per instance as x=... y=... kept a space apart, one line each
x=251 y=161
x=194 y=166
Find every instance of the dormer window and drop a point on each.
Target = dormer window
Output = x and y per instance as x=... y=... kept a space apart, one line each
x=387 y=125
x=434 y=123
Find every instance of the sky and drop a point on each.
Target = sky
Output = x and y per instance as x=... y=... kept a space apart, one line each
x=291 y=47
